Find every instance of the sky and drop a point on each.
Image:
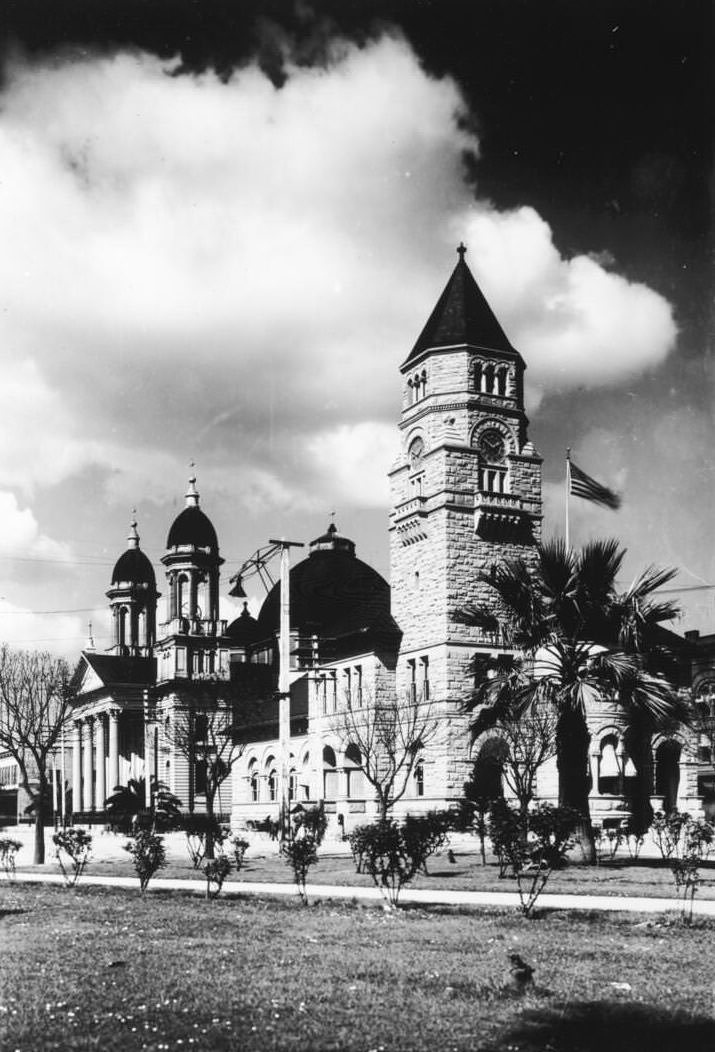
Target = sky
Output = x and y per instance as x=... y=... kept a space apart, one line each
x=223 y=226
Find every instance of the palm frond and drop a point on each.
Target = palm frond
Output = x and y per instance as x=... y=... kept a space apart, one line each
x=598 y=565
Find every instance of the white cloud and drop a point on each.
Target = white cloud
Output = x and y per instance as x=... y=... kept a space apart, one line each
x=575 y=322
x=233 y=272
x=20 y=534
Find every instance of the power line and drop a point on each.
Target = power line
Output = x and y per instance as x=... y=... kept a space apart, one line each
x=75 y=610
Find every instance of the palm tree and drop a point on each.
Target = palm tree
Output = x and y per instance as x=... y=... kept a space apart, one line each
x=579 y=641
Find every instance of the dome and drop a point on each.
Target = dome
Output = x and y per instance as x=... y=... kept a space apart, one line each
x=244 y=630
x=332 y=593
x=133 y=566
x=192 y=528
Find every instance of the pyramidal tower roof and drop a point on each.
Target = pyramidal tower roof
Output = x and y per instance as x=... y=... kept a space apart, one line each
x=462 y=316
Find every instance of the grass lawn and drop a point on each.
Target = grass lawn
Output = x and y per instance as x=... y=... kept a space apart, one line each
x=102 y=969
x=622 y=876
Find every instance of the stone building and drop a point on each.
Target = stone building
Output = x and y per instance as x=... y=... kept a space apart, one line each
x=466 y=492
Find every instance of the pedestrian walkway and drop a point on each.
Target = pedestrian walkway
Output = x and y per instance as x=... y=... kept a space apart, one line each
x=421 y=897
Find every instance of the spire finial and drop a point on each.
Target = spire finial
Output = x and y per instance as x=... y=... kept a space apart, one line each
x=133 y=537
x=90 y=637
x=192 y=494
x=461 y=251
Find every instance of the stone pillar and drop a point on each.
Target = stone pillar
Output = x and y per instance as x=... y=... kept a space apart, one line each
x=101 y=766
x=88 y=772
x=113 y=750
x=77 y=767
x=594 y=759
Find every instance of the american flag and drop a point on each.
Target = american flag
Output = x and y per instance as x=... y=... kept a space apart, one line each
x=582 y=485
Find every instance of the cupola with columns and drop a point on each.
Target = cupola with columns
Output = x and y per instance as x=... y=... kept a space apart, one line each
x=192 y=638
x=133 y=598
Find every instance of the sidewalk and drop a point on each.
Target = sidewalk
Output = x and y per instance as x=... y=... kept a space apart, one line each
x=498 y=899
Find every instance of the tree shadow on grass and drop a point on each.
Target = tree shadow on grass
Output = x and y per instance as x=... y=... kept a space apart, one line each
x=597 y=1025
x=9 y=913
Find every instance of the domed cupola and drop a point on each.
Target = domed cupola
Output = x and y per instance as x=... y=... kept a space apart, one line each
x=333 y=594
x=192 y=563
x=133 y=597
x=332 y=541
x=243 y=632
x=192 y=528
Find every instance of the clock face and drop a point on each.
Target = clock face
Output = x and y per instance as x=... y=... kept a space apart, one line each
x=492 y=446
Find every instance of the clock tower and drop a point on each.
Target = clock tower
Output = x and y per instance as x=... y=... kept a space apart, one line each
x=466 y=494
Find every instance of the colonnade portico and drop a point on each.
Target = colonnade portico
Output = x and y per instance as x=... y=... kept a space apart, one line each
x=94 y=772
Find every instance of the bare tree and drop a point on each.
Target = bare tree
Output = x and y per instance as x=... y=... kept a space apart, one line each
x=35 y=700
x=201 y=729
x=531 y=740
x=390 y=734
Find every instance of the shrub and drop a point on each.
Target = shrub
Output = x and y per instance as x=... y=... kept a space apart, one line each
x=239 y=847
x=472 y=817
x=392 y=853
x=426 y=834
x=532 y=846
x=199 y=830
x=508 y=836
x=312 y=820
x=77 y=845
x=216 y=872
x=148 y=855
x=667 y=830
x=301 y=853
x=8 y=851
x=693 y=847
x=631 y=833
x=300 y=849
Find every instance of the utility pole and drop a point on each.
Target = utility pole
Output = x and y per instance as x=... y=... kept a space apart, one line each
x=284 y=682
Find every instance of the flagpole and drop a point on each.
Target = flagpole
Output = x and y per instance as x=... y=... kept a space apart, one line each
x=568 y=487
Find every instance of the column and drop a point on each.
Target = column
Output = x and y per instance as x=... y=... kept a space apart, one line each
x=113 y=749
x=101 y=782
x=87 y=758
x=77 y=767
x=594 y=758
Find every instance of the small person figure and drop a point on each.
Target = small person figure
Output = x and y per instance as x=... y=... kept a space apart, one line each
x=450 y=857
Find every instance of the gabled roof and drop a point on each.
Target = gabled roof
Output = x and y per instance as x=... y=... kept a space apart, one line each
x=462 y=316
x=113 y=669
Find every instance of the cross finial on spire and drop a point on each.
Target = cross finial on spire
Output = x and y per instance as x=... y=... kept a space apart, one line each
x=461 y=251
x=192 y=496
x=133 y=537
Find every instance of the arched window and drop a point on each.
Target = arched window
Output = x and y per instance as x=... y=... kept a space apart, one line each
x=253 y=780
x=667 y=774
x=182 y=595
x=489 y=379
x=418 y=776
x=501 y=381
x=423 y=378
x=477 y=376
x=330 y=774
x=609 y=770
x=304 y=786
x=355 y=780
x=122 y=626
x=272 y=780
